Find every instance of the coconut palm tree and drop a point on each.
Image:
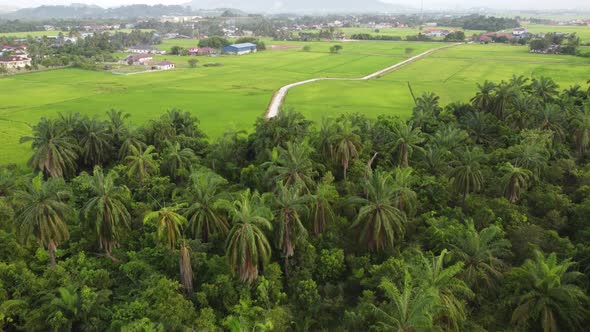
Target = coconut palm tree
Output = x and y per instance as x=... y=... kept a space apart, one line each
x=293 y=165
x=451 y=291
x=41 y=212
x=141 y=163
x=516 y=181
x=322 y=212
x=481 y=253
x=484 y=98
x=409 y=309
x=95 y=142
x=379 y=221
x=547 y=297
x=247 y=247
x=466 y=175
x=106 y=210
x=204 y=198
x=406 y=140
x=169 y=229
x=288 y=209
x=56 y=151
x=346 y=145
x=176 y=161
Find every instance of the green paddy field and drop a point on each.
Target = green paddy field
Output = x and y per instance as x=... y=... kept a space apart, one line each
x=235 y=94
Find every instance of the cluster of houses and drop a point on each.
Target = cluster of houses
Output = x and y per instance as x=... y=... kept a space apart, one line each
x=14 y=57
x=437 y=33
x=148 y=61
x=144 y=49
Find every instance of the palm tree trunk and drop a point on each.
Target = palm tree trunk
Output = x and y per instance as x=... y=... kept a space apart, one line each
x=186 y=270
x=51 y=249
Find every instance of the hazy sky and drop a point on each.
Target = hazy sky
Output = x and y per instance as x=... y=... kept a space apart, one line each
x=511 y=4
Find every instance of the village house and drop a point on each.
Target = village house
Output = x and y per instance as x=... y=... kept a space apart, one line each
x=436 y=33
x=144 y=49
x=165 y=65
x=138 y=59
x=202 y=51
x=14 y=62
x=239 y=49
x=519 y=32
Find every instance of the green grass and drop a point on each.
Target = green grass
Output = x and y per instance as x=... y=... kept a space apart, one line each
x=231 y=96
x=451 y=73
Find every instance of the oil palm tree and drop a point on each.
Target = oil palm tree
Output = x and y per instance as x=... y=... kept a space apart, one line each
x=516 y=180
x=322 y=200
x=544 y=88
x=95 y=142
x=176 y=161
x=522 y=110
x=325 y=139
x=289 y=207
x=451 y=291
x=106 y=210
x=530 y=155
x=346 y=145
x=484 y=98
x=116 y=126
x=481 y=254
x=466 y=175
x=203 y=212
x=406 y=140
x=169 y=225
x=580 y=125
x=247 y=247
x=129 y=140
x=293 y=165
x=379 y=221
x=405 y=199
x=547 y=297
x=410 y=309
x=41 y=212
x=141 y=163
x=503 y=97
x=550 y=117
x=449 y=138
x=56 y=151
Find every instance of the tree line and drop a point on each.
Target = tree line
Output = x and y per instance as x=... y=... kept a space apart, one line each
x=467 y=217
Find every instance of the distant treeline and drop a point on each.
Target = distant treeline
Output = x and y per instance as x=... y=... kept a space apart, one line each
x=480 y=22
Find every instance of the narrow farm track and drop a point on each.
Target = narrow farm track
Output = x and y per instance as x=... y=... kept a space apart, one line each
x=279 y=97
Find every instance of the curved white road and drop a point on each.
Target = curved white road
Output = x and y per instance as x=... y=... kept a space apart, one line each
x=279 y=97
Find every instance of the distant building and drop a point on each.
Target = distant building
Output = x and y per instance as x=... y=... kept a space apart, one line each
x=202 y=51
x=239 y=49
x=138 y=59
x=144 y=49
x=520 y=32
x=14 y=62
x=430 y=24
x=165 y=65
x=436 y=33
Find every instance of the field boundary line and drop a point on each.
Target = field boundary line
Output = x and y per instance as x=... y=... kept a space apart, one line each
x=279 y=96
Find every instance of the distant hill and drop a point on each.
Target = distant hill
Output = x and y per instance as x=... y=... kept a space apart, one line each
x=301 y=6
x=91 y=11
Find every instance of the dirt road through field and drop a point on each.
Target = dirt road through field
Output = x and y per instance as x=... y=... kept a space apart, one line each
x=279 y=97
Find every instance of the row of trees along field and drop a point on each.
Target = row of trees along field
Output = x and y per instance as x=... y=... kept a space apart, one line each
x=470 y=217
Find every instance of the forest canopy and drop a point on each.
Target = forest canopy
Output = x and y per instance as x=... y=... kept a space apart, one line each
x=471 y=216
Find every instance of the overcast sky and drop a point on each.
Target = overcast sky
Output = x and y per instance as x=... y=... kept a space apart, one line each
x=500 y=4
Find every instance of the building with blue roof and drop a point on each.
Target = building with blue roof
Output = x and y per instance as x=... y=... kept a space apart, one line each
x=239 y=49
